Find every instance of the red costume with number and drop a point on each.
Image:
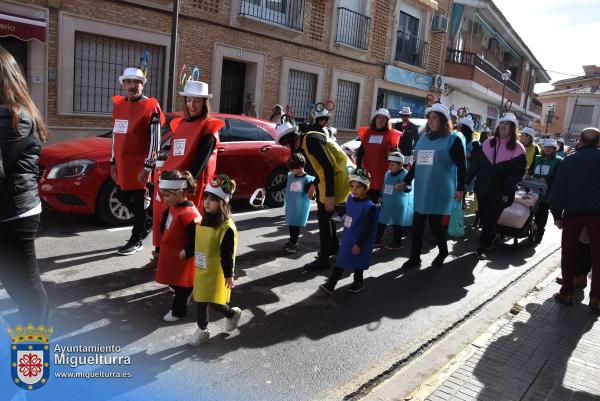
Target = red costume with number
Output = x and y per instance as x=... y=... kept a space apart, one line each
x=131 y=137
x=377 y=145
x=171 y=270
x=184 y=144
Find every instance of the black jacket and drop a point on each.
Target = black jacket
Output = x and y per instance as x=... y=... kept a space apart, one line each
x=409 y=138
x=19 y=153
x=576 y=187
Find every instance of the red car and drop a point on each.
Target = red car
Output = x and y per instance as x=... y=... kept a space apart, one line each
x=75 y=175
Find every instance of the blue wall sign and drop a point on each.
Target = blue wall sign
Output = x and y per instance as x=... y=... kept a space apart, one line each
x=408 y=78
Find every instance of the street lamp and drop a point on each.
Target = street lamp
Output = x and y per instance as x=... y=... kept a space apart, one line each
x=549 y=117
x=505 y=77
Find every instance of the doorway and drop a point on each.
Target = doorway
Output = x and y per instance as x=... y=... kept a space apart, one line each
x=18 y=49
x=233 y=82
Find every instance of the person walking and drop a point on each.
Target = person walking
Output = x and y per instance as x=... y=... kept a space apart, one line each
x=376 y=142
x=497 y=170
x=409 y=133
x=22 y=131
x=135 y=143
x=276 y=114
x=532 y=150
x=439 y=179
x=472 y=146
x=327 y=162
x=575 y=206
x=544 y=168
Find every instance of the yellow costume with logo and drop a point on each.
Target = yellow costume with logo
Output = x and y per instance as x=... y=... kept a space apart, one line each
x=339 y=160
x=209 y=282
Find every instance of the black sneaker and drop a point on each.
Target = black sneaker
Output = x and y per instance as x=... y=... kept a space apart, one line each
x=355 y=288
x=326 y=288
x=130 y=248
x=377 y=244
x=394 y=246
x=439 y=259
x=412 y=263
x=290 y=247
x=317 y=264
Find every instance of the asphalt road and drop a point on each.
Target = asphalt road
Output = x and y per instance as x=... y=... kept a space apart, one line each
x=292 y=343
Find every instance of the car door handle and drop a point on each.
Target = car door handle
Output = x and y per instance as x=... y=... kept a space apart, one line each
x=220 y=150
x=265 y=148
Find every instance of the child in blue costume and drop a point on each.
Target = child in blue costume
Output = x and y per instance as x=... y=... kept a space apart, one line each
x=360 y=224
x=298 y=193
x=397 y=206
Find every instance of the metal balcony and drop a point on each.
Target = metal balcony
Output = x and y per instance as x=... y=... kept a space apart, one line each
x=353 y=28
x=411 y=50
x=289 y=13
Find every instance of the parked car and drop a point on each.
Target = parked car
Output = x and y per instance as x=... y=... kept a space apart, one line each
x=352 y=146
x=75 y=175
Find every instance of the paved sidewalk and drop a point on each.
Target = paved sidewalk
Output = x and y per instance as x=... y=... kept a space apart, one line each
x=547 y=352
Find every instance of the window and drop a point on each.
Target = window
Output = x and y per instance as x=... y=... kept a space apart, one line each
x=98 y=63
x=409 y=48
x=263 y=135
x=583 y=114
x=301 y=93
x=346 y=104
x=353 y=25
x=242 y=131
x=284 y=12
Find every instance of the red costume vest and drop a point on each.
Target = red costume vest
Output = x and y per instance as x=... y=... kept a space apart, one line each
x=184 y=145
x=131 y=136
x=377 y=146
x=171 y=270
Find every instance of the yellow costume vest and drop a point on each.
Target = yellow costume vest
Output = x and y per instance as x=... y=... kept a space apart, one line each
x=209 y=282
x=340 y=161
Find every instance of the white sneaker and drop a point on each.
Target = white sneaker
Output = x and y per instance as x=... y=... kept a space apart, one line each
x=232 y=322
x=199 y=337
x=170 y=318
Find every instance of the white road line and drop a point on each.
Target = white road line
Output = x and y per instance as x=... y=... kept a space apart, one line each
x=114 y=230
x=252 y=212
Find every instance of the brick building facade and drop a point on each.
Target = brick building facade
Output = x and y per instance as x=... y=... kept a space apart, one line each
x=359 y=53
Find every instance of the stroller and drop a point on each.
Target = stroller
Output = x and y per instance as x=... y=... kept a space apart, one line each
x=516 y=221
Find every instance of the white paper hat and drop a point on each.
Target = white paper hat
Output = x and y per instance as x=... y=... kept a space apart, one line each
x=133 y=73
x=467 y=121
x=218 y=191
x=406 y=110
x=550 y=142
x=382 y=112
x=509 y=117
x=283 y=129
x=322 y=113
x=358 y=178
x=196 y=89
x=440 y=108
x=396 y=157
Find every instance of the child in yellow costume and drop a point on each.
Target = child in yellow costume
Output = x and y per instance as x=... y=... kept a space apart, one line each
x=216 y=244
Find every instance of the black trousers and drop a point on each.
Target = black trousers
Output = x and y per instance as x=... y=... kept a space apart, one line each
x=583 y=263
x=397 y=230
x=180 y=299
x=203 y=312
x=294 y=233
x=19 y=269
x=327 y=232
x=541 y=216
x=490 y=210
x=336 y=275
x=438 y=224
x=134 y=200
x=374 y=195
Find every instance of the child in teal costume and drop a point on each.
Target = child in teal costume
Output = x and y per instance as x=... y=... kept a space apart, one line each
x=397 y=206
x=298 y=193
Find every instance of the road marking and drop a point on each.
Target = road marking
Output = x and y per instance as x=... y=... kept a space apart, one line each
x=116 y=229
x=252 y=212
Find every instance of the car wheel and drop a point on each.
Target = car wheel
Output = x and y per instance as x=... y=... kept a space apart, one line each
x=109 y=209
x=276 y=180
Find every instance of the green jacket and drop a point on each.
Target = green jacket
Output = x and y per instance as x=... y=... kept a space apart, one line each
x=545 y=168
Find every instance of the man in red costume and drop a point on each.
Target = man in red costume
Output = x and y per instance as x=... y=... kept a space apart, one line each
x=136 y=142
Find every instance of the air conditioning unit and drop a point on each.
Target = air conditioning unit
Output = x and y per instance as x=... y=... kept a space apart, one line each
x=439 y=24
x=438 y=82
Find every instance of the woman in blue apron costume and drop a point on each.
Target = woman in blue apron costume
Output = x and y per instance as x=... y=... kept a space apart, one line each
x=439 y=174
x=298 y=192
x=358 y=236
x=472 y=146
x=397 y=206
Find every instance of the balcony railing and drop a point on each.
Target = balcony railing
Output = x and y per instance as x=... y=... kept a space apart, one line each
x=535 y=102
x=411 y=50
x=353 y=28
x=467 y=58
x=289 y=13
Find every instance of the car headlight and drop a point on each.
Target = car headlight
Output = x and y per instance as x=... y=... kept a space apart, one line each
x=74 y=168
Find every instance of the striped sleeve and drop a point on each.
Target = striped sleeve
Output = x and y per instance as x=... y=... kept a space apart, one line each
x=154 y=140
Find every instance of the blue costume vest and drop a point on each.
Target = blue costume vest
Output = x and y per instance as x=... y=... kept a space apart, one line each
x=435 y=175
x=297 y=204
x=397 y=208
x=354 y=223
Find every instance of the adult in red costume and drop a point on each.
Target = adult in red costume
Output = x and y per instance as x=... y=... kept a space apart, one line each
x=195 y=138
x=136 y=141
x=376 y=142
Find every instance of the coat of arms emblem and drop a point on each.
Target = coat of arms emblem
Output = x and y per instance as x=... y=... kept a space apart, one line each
x=30 y=355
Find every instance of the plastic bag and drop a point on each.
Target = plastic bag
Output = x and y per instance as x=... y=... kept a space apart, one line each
x=456 y=227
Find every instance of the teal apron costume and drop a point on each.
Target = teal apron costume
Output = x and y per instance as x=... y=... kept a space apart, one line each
x=435 y=175
x=397 y=208
x=353 y=226
x=469 y=149
x=297 y=204
x=546 y=169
